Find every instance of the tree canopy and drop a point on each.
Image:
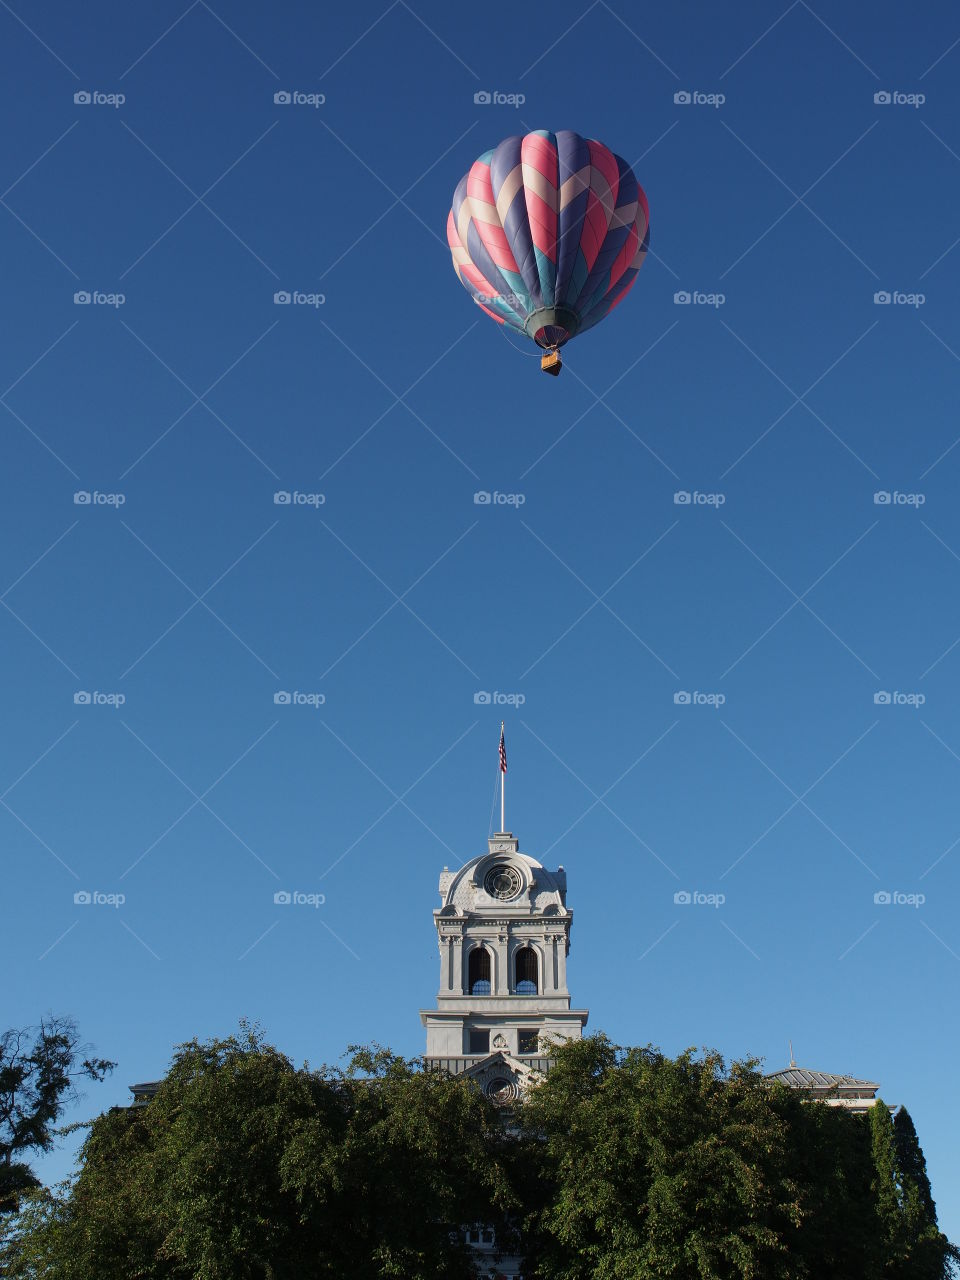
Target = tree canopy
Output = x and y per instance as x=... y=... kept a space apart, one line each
x=39 y=1067
x=244 y=1166
x=620 y=1163
x=640 y=1165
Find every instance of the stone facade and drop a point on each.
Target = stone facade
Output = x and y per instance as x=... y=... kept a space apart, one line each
x=503 y=930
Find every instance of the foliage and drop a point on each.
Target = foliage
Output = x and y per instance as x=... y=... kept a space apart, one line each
x=642 y=1166
x=38 y=1070
x=914 y=1247
x=244 y=1166
x=912 y=1164
x=621 y=1163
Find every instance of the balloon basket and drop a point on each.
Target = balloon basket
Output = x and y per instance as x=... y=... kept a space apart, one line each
x=551 y=363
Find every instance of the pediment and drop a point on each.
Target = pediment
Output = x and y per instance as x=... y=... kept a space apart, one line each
x=502 y=1077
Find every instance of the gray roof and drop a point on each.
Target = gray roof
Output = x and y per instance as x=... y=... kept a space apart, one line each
x=142 y=1093
x=800 y=1078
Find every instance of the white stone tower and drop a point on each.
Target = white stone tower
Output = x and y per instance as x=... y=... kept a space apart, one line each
x=503 y=929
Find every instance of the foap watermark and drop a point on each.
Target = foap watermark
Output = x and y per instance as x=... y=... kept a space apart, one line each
x=894 y=498
x=297 y=898
x=694 y=498
x=297 y=298
x=897 y=298
x=97 y=298
x=94 y=698
x=95 y=898
x=294 y=698
x=483 y=698
x=695 y=98
x=297 y=98
x=484 y=498
x=294 y=498
x=897 y=898
x=694 y=898
x=496 y=98
x=894 y=98
x=515 y=300
x=96 y=98
x=696 y=298
x=887 y=698
x=94 y=498
x=694 y=698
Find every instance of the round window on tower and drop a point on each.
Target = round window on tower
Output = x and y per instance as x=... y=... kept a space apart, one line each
x=503 y=882
x=501 y=1091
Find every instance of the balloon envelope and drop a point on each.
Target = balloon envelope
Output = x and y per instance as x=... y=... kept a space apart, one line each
x=547 y=233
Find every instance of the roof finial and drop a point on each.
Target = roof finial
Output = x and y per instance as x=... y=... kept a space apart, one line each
x=792 y=1063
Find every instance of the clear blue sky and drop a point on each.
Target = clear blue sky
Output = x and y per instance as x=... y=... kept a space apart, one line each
x=597 y=600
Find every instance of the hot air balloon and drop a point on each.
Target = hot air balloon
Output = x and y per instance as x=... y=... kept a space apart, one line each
x=547 y=233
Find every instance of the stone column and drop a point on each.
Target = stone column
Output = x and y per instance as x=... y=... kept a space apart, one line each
x=503 y=967
x=562 y=963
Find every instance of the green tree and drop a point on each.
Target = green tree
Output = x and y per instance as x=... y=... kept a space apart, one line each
x=244 y=1167
x=635 y=1165
x=830 y=1156
x=913 y=1166
x=622 y=1164
x=644 y=1166
x=928 y=1254
x=423 y=1154
x=886 y=1186
x=39 y=1067
x=914 y=1247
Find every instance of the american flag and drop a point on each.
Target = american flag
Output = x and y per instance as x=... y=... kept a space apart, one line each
x=503 y=752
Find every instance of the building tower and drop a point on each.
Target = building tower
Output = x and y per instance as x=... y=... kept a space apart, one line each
x=503 y=929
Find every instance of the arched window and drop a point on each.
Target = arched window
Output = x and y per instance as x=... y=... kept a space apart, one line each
x=479 y=976
x=525 y=968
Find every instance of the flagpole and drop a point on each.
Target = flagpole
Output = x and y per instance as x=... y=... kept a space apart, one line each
x=503 y=787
